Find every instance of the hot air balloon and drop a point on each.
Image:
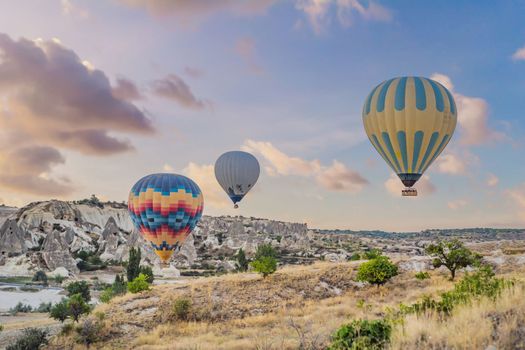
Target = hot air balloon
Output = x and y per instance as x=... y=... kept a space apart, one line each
x=237 y=172
x=165 y=208
x=409 y=121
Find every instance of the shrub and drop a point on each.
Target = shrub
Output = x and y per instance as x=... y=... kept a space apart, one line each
x=422 y=275
x=148 y=271
x=355 y=257
x=89 y=332
x=40 y=276
x=59 y=279
x=119 y=285
x=139 y=284
x=372 y=254
x=362 y=335
x=265 y=265
x=453 y=255
x=377 y=271
x=79 y=287
x=181 y=309
x=133 y=266
x=67 y=328
x=20 y=307
x=77 y=307
x=242 y=263
x=107 y=295
x=31 y=338
x=60 y=311
x=44 y=307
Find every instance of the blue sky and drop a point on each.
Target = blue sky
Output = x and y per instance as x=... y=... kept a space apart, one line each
x=285 y=80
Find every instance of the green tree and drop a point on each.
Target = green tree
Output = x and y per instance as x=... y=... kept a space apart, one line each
x=40 y=276
x=139 y=284
x=148 y=271
x=119 y=285
x=453 y=255
x=242 y=263
x=265 y=265
x=77 y=307
x=377 y=271
x=60 y=311
x=133 y=267
x=79 y=287
x=265 y=250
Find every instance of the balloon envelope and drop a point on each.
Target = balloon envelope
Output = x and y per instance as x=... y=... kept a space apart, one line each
x=165 y=208
x=409 y=121
x=237 y=172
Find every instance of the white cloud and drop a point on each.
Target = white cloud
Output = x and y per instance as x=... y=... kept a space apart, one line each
x=492 y=180
x=456 y=162
x=519 y=55
x=457 y=204
x=204 y=176
x=517 y=195
x=69 y=8
x=336 y=177
x=424 y=186
x=473 y=114
x=319 y=12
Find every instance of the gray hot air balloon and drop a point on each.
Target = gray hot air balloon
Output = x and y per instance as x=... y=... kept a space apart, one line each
x=237 y=172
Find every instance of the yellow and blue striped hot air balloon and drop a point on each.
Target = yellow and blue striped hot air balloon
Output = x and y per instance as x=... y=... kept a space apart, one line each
x=409 y=121
x=165 y=208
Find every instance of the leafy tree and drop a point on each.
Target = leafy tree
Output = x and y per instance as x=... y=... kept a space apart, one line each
x=453 y=255
x=133 y=267
x=265 y=265
x=265 y=250
x=139 y=284
x=242 y=263
x=148 y=271
x=79 y=287
x=30 y=339
x=377 y=271
x=77 y=306
x=40 y=276
x=362 y=335
x=60 y=311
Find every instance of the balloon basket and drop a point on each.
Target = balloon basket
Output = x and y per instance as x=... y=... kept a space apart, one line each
x=409 y=192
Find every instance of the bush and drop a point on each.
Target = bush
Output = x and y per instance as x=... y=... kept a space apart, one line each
x=107 y=295
x=77 y=307
x=355 y=257
x=79 y=287
x=453 y=255
x=139 y=284
x=31 y=339
x=59 y=279
x=362 y=335
x=40 y=276
x=422 y=275
x=60 y=311
x=44 y=307
x=377 y=271
x=67 y=328
x=148 y=271
x=372 y=254
x=89 y=332
x=265 y=265
x=119 y=285
x=20 y=307
x=133 y=266
x=181 y=309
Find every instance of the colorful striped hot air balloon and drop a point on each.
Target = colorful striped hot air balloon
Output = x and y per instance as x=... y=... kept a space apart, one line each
x=409 y=121
x=237 y=172
x=165 y=208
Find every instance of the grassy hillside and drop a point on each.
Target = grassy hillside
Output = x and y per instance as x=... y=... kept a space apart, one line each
x=298 y=307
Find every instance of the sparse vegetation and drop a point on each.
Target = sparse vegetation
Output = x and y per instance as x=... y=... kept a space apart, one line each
x=139 y=284
x=242 y=262
x=20 y=307
x=89 y=332
x=453 y=255
x=422 y=275
x=31 y=339
x=377 y=271
x=181 y=309
x=77 y=307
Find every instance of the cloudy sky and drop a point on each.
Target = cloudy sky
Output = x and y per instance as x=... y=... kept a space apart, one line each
x=96 y=94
